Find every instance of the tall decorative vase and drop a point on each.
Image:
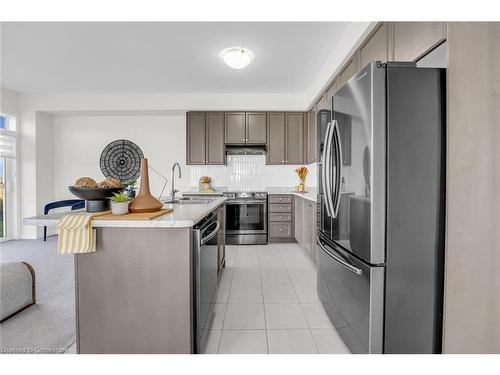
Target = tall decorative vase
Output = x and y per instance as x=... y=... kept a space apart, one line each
x=302 y=185
x=145 y=202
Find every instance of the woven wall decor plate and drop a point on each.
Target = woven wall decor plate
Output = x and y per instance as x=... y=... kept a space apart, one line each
x=121 y=159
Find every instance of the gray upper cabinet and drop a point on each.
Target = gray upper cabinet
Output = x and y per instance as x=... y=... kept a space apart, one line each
x=215 y=138
x=195 y=150
x=312 y=152
x=245 y=128
x=414 y=39
x=330 y=91
x=376 y=48
x=256 y=132
x=294 y=138
x=322 y=102
x=275 y=138
x=235 y=127
x=348 y=72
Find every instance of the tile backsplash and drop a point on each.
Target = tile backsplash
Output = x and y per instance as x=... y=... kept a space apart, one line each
x=250 y=172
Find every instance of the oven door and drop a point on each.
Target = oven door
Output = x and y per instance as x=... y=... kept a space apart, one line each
x=353 y=297
x=246 y=217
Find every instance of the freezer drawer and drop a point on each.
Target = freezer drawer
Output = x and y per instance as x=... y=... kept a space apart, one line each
x=353 y=297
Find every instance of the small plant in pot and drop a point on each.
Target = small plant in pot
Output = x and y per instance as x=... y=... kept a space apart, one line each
x=130 y=189
x=119 y=203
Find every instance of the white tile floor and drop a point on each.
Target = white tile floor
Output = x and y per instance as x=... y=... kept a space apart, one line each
x=267 y=303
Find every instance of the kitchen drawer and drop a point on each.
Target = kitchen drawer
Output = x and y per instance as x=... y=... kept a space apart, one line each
x=283 y=230
x=280 y=207
x=280 y=217
x=280 y=199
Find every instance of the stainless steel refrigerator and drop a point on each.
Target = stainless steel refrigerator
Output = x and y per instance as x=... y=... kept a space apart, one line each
x=381 y=209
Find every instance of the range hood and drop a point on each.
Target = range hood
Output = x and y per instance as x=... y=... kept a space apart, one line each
x=245 y=150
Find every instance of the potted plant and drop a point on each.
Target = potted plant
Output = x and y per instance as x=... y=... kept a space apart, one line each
x=119 y=203
x=130 y=188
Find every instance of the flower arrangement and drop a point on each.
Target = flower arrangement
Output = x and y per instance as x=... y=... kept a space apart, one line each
x=302 y=173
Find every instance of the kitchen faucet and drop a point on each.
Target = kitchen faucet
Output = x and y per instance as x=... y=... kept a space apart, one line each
x=173 y=191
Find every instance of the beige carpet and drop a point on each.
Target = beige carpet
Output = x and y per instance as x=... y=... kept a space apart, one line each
x=49 y=325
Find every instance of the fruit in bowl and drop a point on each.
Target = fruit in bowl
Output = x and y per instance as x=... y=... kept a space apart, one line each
x=85 y=183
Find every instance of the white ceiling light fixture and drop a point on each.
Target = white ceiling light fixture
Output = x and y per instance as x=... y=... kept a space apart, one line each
x=237 y=57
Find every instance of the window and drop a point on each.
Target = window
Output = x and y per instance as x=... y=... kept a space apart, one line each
x=2 y=198
x=8 y=140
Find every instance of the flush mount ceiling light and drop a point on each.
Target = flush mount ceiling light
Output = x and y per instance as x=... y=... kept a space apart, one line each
x=236 y=57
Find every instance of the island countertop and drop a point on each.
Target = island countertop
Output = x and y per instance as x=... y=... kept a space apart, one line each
x=183 y=216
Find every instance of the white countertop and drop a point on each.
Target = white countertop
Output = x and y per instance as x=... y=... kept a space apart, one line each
x=310 y=195
x=183 y=216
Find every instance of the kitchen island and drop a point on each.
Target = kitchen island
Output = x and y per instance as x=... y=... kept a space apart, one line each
x=136 y=293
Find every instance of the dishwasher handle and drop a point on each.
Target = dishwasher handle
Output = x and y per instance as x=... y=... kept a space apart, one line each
x=207 y=238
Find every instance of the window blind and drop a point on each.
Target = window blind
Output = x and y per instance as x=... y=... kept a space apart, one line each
x=7 y=145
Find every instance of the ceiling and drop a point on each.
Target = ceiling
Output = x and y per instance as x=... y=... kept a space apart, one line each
x=163 y=57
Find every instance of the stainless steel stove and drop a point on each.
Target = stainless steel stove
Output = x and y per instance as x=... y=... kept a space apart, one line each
x=246 y=217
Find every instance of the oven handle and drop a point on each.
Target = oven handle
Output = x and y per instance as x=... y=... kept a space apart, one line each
x=247 y=202
x=204 y=240
x=350 y=267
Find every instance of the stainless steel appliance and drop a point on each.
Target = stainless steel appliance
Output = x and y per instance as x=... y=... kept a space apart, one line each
x=246 y=218
x=205 y=277
x=381 y=208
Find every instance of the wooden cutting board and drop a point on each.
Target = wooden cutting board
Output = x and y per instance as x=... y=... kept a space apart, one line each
x=135 y=216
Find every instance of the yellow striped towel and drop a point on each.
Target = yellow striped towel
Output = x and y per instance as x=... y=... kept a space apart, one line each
x=76 y=234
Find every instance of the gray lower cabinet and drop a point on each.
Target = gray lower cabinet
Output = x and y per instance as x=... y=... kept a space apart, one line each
x=205 y=138
x=305 y=226
x=280 y=218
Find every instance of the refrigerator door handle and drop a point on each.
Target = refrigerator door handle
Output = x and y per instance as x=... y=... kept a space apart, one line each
x=326 y=170
x=342 y=262
x=338 y=167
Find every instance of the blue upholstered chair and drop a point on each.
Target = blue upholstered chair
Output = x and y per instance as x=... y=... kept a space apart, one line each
x=75 y=204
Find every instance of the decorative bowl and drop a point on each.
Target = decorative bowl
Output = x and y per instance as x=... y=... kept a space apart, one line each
x=93 y=194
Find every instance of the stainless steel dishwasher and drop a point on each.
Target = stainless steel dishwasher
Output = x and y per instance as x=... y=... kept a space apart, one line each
x=205 y=277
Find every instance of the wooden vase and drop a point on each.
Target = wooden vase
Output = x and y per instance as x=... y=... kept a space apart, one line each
x=145 y=202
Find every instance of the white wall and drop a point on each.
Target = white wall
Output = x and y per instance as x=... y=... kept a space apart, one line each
x=9 y=102
x=80 y=140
